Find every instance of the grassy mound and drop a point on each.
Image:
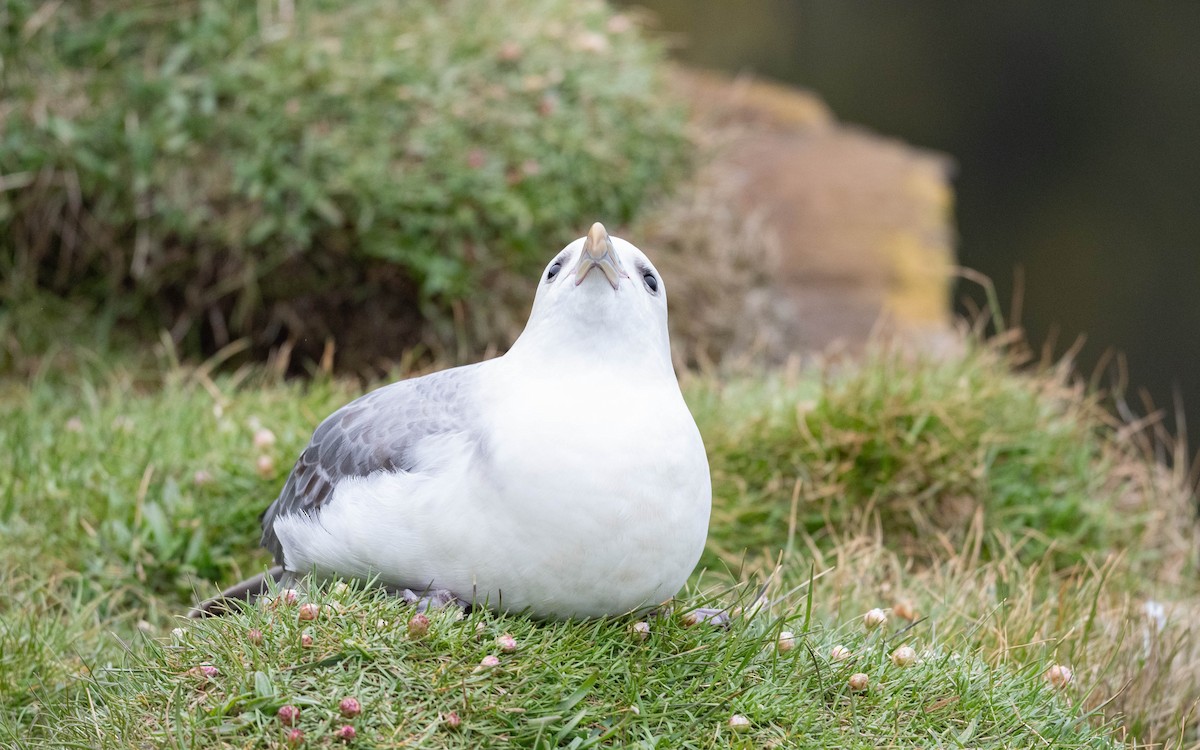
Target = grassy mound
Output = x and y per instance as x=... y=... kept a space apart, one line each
x=236 y=169
x=126 y=487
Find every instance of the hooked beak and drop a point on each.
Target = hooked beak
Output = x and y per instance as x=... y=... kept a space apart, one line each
x=598 y=252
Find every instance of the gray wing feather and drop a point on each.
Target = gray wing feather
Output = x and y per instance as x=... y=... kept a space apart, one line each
x=376 y=432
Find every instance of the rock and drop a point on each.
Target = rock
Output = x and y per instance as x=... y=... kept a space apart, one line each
x=832 y=233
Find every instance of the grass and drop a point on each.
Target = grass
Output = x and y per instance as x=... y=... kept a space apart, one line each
x=573 y=684
x=1021 y=527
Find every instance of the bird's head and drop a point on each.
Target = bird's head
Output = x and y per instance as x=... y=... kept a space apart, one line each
x=601 y=296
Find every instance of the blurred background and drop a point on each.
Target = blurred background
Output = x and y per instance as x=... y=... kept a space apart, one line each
x=1073 y=128
x=219 y=171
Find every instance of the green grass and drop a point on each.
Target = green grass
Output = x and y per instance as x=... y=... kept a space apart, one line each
x=572 y=684
x=1001 y=507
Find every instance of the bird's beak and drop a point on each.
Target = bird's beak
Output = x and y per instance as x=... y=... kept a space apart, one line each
x=598 y=252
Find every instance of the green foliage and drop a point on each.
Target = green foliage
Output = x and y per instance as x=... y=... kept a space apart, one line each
x=234 y=168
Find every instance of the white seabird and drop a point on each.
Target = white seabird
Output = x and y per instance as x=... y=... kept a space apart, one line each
x=565 y=478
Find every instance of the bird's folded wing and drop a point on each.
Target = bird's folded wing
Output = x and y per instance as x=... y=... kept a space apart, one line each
x=380 y=431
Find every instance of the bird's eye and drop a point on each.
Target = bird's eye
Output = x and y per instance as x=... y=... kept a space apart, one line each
x=651 y=281
x=553 y=270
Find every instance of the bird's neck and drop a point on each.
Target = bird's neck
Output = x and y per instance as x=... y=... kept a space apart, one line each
x=558 y=350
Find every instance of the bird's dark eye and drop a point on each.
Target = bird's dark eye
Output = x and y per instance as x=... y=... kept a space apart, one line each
x=553 y=270
x=651 y=281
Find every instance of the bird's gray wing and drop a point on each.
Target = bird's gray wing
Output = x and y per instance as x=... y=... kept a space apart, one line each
x=376 y=432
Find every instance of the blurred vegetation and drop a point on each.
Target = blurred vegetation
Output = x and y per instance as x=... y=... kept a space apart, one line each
x=225 y=169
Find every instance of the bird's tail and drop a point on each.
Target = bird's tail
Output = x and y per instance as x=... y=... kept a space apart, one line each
x=238 y=595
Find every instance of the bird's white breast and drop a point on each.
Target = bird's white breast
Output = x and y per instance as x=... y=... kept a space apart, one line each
x=587 y=496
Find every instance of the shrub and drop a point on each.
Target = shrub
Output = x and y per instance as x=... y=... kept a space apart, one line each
x=245 y=168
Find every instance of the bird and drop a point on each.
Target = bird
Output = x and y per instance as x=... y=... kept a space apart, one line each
x=563 y=479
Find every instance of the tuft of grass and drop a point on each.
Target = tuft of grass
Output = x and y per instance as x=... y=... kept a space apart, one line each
x=925 y=449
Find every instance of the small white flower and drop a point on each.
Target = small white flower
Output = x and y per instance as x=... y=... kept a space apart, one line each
x=640 y=630
x=263 y=438
x=786 y=642
x=1156 y=613
x=839 y=653
x=739 y=723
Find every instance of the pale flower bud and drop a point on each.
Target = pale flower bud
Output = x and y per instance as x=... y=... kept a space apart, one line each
x=1059 y=676
x=288 y=715
x=350 y=707
x=876 y=618
x=265 y=465
x=904 y=656
x=858 y=682
x=418 y=626
x=490 y=661
x=904 y=610
x=786 y=642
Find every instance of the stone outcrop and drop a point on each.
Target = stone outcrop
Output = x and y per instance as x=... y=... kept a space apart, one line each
x=824 y=233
